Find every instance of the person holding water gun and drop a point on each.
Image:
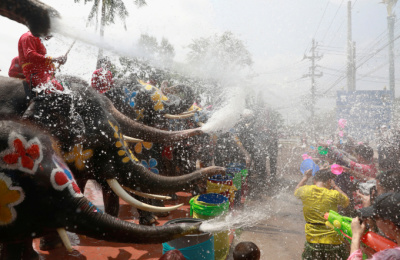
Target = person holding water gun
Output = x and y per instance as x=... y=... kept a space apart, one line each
x=385 y=212
x=321 y=242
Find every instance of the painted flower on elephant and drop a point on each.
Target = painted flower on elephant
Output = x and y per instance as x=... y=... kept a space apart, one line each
x=22 y=155
x=127 y=156
x=151 y=165
x=61 y=178
x=10 y=196
x=139 y=146
x=139 y=113
x=79 y=156
x=146 y=85
x=130 y=97
x=158 y=99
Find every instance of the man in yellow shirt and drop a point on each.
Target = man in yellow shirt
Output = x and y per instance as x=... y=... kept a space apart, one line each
x=322 y=243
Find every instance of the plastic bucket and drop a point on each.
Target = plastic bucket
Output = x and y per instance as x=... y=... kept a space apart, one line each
x=207 y=206
x=236 y=174
x=194 y=246
x=222 y=185
x=244 y=184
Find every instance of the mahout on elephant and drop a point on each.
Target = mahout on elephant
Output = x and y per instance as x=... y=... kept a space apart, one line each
x=40 y=195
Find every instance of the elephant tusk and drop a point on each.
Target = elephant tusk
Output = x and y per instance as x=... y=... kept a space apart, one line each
x=132 y=140
x=147 y=195
x=64 y=238
x=116 y=187
x=180 y=116
x=200 y=124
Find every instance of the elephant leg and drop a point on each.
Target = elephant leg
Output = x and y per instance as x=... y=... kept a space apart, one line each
x=145 y=217
x=50 y=241
x=16 y=251
x=159 y=203
x=111 y=202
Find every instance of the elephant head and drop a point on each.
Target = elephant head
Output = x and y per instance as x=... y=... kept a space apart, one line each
x=146 y=103
x=38 y=194
x=33 y=13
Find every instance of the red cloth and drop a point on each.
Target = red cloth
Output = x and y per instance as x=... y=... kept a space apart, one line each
x=102 y=80
x=368 y=170
x=15 y=70
x=35 y=65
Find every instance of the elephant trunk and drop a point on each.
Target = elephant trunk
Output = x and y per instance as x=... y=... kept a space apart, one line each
x=150 y=134
x=34 y=14
x=91 y=222
x=153 y=183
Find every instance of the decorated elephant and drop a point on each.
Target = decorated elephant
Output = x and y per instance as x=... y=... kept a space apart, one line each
x=34 y=14
x=38 y=195
x=154 y=107
x=96 y=148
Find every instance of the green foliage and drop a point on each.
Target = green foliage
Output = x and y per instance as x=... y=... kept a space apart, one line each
x=110 y=9
x=224 y=50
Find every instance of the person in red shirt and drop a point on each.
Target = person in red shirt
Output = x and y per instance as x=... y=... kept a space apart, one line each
x=102 y=79
x=15 y=70
x=37 y=67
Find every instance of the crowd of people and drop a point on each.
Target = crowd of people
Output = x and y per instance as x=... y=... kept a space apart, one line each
x=367 y=190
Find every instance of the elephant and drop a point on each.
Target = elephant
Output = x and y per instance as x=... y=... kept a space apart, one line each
x=38 y=195
x=99 y=150
x=33 y=13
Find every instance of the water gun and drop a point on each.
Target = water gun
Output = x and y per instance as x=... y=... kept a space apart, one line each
x=342 y=225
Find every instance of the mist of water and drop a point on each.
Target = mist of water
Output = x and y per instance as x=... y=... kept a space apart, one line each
x=251 y=215
x=229 y=113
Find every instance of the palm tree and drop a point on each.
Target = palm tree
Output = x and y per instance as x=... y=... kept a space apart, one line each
x=109 y=10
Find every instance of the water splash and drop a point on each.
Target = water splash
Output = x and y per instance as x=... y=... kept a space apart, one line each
x=234 y=220
x=225 y=118
x=254 y=213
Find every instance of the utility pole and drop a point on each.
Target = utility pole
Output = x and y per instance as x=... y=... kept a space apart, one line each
x=391 y=20
x=354 y=69
x=350 y=55
x=314 y=56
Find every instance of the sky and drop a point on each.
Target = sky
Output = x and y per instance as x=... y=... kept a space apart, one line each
x=277 y=34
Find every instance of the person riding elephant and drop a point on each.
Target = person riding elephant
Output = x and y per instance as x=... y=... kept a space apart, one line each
x=39 y=195
x=37 y=67
x=15 y=70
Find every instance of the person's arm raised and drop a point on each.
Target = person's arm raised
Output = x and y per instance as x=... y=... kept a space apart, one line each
x=304 y=180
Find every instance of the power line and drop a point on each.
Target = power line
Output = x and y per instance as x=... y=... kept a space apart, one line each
x=343 y=77
x=333 y=20
x=327 y=4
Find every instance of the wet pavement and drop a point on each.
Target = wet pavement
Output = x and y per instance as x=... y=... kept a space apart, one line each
x=281 y=234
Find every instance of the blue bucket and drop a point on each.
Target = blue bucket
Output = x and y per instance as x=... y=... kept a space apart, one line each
x=220 y=178
x=212 y=198
x=236 y=165
x=194 y=246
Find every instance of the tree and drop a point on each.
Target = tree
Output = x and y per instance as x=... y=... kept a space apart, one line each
x=219 y=53
x=109 y=9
